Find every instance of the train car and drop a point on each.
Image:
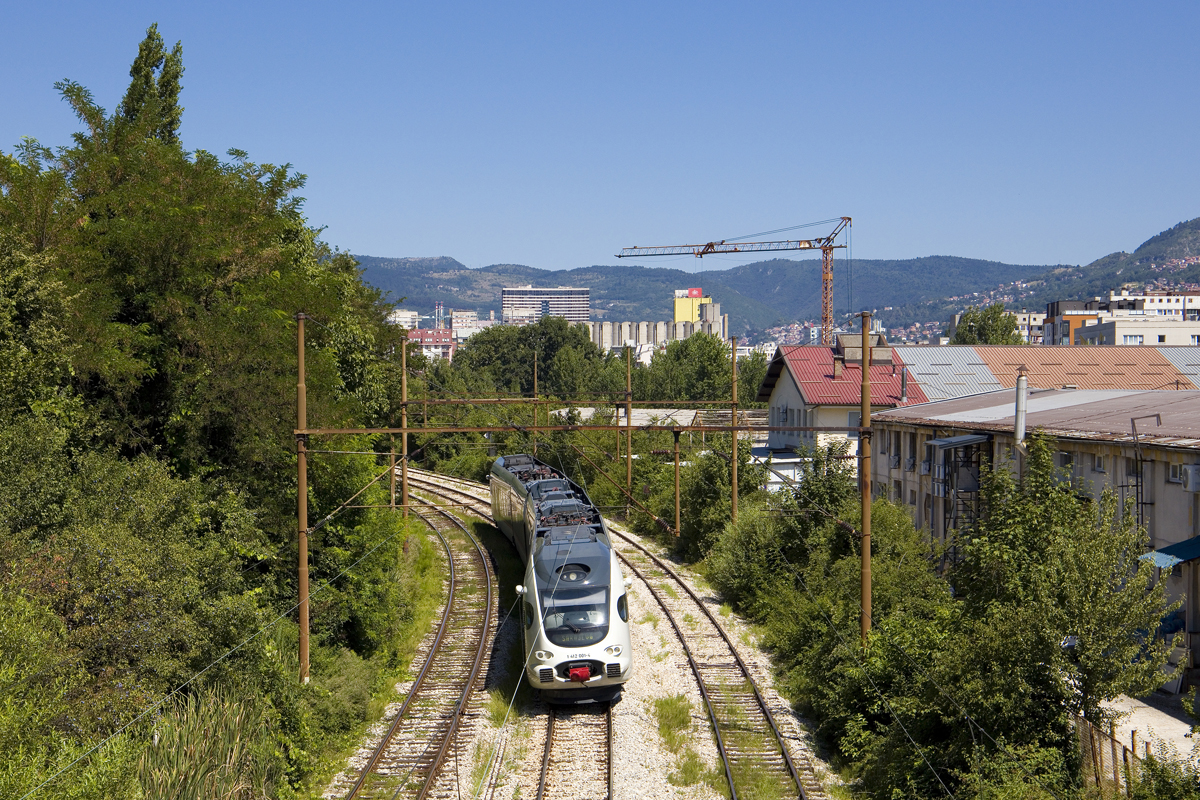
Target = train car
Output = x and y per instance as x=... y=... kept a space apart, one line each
x=574 y=609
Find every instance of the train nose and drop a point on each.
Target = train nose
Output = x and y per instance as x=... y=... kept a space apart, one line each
x=581 y=674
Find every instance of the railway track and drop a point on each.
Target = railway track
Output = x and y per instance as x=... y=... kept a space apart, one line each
x=570 y=766
x=408 y=760
x=750 y=744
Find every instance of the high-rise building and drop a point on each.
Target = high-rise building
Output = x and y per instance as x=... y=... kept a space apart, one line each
x=522 y=305
x=687 y=304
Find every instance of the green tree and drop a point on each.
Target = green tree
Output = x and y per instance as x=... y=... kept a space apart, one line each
x=1064 y=567
x=990 y=325
x=154 y=89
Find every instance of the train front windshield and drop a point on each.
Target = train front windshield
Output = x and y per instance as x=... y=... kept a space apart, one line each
x=576 y=616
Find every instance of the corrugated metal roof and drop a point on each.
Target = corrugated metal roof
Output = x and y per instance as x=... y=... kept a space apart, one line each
x=812 y=369
x=1112 y=367
x=1185 y=359
x=950 y=371
x=1080 y=414
x=1036 y=402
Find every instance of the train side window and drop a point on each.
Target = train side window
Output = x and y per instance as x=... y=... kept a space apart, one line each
x=527 y=613
x=623 y=607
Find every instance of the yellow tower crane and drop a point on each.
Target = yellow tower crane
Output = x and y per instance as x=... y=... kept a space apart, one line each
x=825 y=244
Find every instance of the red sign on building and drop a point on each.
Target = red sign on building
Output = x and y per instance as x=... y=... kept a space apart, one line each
x=695 y=292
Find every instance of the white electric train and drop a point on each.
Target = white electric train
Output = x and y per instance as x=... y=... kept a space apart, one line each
x=574 y=609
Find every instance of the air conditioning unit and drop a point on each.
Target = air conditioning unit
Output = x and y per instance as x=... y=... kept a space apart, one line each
x=1191 y=477
x=926 y=467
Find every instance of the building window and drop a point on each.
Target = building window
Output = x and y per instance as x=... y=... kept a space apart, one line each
x=1099 y=464
x=853 y=420
x=1175 y=473
x=897 y=491
x=1195 y=339
x=1131 y=338
x=912 y=497
x=883 y=443
x=1162 y=337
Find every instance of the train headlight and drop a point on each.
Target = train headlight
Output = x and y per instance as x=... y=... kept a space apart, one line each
x=543 y=655
x=613 y=650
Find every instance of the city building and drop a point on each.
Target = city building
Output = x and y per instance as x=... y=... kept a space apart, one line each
x=929 y=457
x=405 y=318
x=688 y=303
x=1029 y=325
x=1065 y=317
x=1181 y=305
x=435 y=343
x=1139 y=330
x=524 y=305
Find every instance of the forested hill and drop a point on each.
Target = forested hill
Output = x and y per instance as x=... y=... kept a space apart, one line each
x=1170 y=259
x=755 y=295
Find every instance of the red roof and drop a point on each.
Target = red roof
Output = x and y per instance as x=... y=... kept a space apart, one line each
x=812 y=370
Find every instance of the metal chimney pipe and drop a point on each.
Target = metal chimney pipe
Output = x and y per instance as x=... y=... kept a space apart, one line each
x=1022 y=404
x=904 y=384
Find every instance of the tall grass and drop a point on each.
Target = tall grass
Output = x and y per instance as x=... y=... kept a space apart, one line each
x=210 y=746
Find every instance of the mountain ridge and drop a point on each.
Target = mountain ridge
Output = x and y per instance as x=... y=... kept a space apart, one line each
x=776 y=291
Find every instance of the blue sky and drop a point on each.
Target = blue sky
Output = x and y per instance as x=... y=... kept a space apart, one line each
x=554 y=134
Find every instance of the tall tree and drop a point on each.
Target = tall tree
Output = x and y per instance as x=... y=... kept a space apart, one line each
x=990 y=325
x=153 y=94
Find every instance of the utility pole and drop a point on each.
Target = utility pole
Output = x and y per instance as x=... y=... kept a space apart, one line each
x=302 y=497
x=676 y=432
x=628 y=419
x=404 y=423
x=535 y=397
x=864 y=473
x=733 y=416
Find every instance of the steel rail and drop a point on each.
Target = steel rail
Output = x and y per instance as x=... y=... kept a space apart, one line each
x=415 y=429
x=712 y=713
x=420 y=681
x=708 y=704
x=761 y=702
x=543 y=787
x=475 y=503
x=479 y=657
x=369 y=767
x=541 y=790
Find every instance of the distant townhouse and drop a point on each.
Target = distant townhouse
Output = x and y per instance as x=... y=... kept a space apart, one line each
x=435 y=343
x=821 y=387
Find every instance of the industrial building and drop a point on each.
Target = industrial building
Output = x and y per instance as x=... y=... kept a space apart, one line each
x=688 y=303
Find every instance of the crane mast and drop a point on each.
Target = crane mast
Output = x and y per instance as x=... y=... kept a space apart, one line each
x=825 y=244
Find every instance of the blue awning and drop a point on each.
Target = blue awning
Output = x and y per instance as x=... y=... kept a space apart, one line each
x=1172 y=554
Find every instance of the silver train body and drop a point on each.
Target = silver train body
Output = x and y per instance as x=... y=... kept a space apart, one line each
x=574 y=611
